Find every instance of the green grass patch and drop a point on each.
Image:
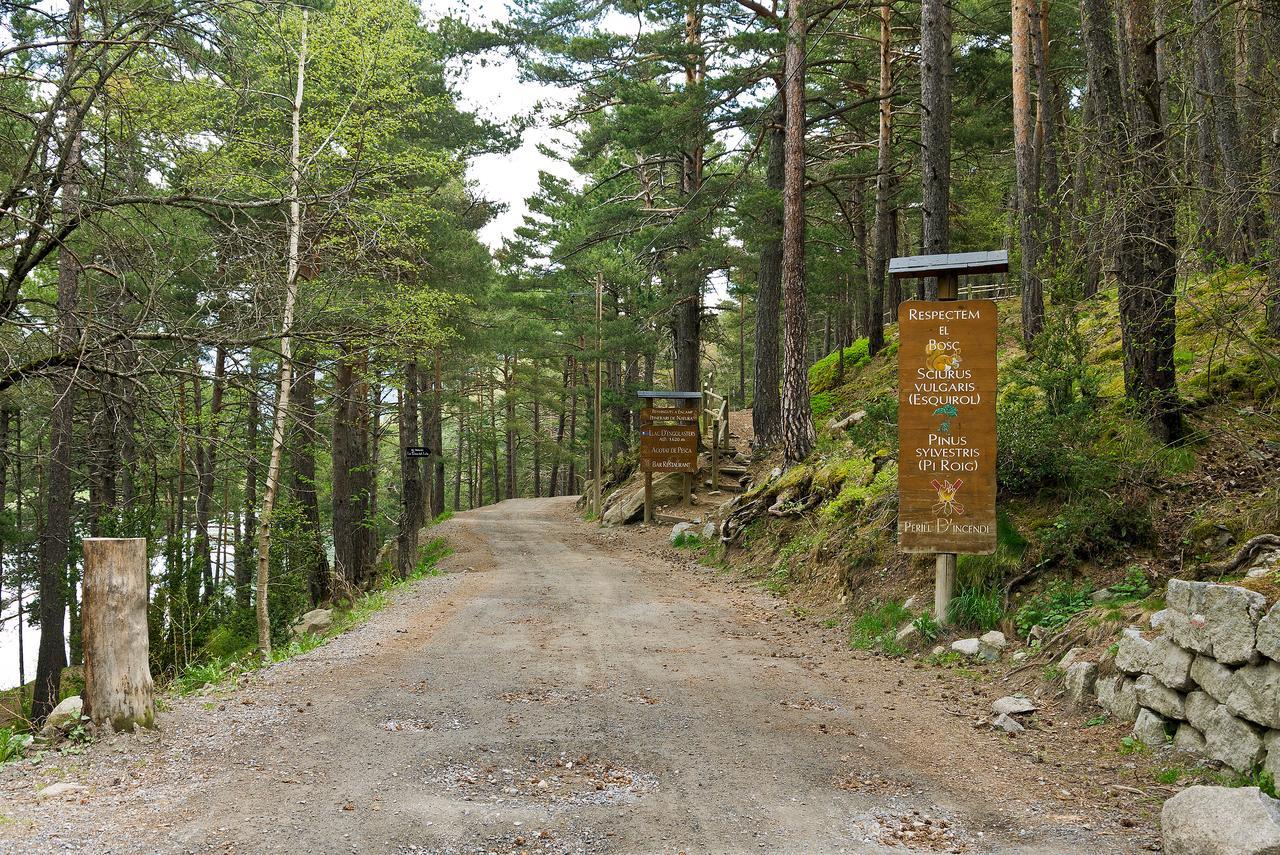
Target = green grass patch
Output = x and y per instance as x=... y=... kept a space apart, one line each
x=875 y=628
x=13 y=744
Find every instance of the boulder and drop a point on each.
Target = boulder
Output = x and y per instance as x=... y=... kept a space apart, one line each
x=1204 y=820
x=1232 y=741
x=1134 y=653
x=1007 y=723
x=1118 y=697
x=1156 y=696
x=1159 y=619
x=1185 y=596
x=314 y=622
x=994 y=639
x=1213 y=677
x=1170 y=664
x=65 y=715
x=1232 y=615
x=1199 y=707
x=1268 y=638
x=967 y=646
x=1151 y=728
x=1255 y=694
x=1271 y=745
x=1069 y=657
x=1080 y=680
x=1013 y=705
x=1188 y=739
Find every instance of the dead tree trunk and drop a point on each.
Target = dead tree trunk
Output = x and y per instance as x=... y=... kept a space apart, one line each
x=117 y=671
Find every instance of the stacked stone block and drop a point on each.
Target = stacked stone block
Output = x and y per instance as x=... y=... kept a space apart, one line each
x=1206 y=677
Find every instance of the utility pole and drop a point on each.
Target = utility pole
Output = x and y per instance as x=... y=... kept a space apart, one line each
x=595 y=451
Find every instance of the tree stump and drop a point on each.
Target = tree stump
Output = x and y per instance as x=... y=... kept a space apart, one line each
x=117 y=671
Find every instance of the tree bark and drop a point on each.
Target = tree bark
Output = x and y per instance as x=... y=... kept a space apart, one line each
x=883 y=238
x=302 y=454
x=348 y=548
x=117 y=669
x=1024 y=121
x=286 y=361
x=797 y=419
x=935 y=129
x=411 y=507
x=55 y=534
x=245 y=548
x=766 y=407
x=207 y=463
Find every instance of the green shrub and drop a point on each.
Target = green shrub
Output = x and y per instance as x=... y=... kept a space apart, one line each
x=879 y=429
x=875 y=628
x=1032 y=449
x=1052 y=607
x=13 y=745
x=825 y=373
x=210 y=672
x=1136 y=585
x=927 y=626
x=978 y=607
x=1091 y=525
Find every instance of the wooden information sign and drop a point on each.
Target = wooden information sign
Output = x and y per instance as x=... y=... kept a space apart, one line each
x=947 y=426
x=669 y=439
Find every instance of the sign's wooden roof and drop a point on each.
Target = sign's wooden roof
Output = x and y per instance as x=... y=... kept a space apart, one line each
x=681 y=396
x=963 y=263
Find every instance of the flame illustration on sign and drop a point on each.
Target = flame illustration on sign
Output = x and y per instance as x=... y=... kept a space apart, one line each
x=947 y=503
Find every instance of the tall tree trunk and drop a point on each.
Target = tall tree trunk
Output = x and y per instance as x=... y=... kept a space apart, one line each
x=302 y=456
x=55 y=535
x=286 y=361
x=245 y=548
x=207 y=463
x=436 y=439
x=1025 y=162
x=462 y=437
x=411 y=507
x=567 y=375
x=493 y=439
x=1048 y=175
x=935 y=129
x=571 y=479
x=859 y=320
x=509 y=424
x=1237 y=203
x=883 y=239
x=687 y=319
x=797 y=418
x=537 y=433
x=1271 y=24
x=370 y=439
x=766 y=406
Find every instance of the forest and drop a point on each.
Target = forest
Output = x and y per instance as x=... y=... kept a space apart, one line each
x=242 y=274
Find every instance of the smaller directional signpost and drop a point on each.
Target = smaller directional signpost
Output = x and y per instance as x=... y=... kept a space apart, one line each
x=417 y=451
x=669 y=439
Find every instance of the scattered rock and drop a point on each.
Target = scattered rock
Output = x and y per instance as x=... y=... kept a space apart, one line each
x=1070 y=657
x=911 y=603
x=1271 y=744
x=1159 y=619
x=1013 y=705
x=1232 y=740
x=677 y=530
x=709 y=531
x=1213 y=677
x=1268 y=637
x=967 y=646
x=1159 y=697
x=1255 y=693
x=1188 y=739
x=64 y=788
x=994 y=639
x=1151 y=728
x=1036 y=633
x=1007 y=723
x=1117 y=696
x=314 y=622
x=1101 y=596
x=907 y=634
x=1080 y=680
x=1204 y=820
x=627 y=506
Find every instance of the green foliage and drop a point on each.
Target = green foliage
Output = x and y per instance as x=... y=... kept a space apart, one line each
x=879 y=429
x=822 y=404
x=1032 y=449
x=1168 y=775
x=927 y=626
x=825 y=374
x=875 y=628
x=1131 y=745
x=1135 y=586
x=431 y=554
x=210 y=672
x=13 y=744
x=1094 y=524
x=978 y=607
x=857 y=493
x=1058 y=365
x=1052 y=607
x=686 y=540
x=1101 y=718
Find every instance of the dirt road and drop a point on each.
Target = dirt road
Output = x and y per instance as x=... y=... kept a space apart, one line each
x=564 y=694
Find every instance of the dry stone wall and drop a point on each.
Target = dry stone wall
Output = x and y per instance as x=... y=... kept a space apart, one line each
x=1206 y=676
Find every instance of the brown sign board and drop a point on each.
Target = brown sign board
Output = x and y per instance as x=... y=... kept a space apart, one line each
x=947 y=426
x=669 y=439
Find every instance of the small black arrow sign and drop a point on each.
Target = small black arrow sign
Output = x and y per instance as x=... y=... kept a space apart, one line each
x=417 y=451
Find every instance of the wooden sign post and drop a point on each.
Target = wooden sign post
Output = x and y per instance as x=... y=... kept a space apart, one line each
x=947 y=417
x=669 y=439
